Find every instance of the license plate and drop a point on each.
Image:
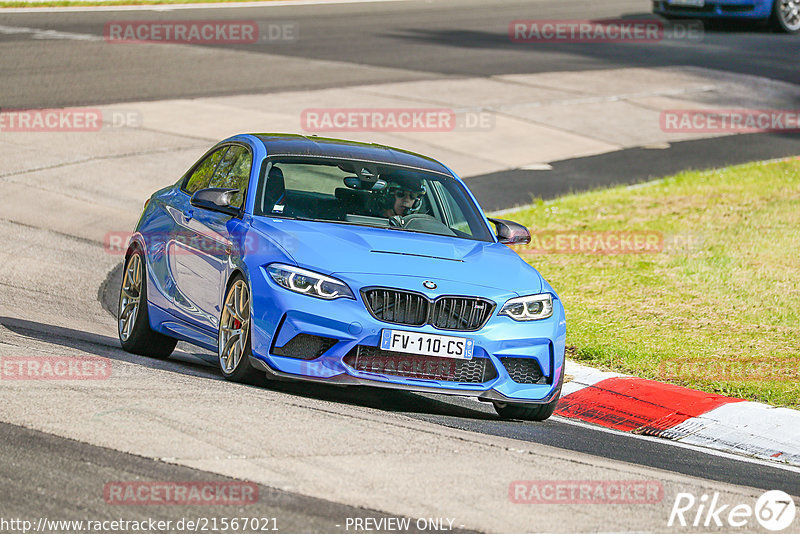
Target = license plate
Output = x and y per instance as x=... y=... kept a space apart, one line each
x=689 y=3
x=459 y=348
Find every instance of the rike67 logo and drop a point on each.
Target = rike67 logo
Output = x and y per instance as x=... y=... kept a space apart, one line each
x=774 y=510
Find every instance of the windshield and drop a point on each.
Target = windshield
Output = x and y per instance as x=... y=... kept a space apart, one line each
x=368 y=194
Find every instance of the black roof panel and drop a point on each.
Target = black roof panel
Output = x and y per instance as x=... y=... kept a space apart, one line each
x=300 y=145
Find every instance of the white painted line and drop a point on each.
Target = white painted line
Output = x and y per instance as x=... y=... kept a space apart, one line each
x=656 y=146
x=756 y=430
x=683 y=445
x=589 y=375
x=777 y=160
x=644 y=184
x=760 y=418
x=583 y=377
x=749 y=427
x=38 y=33
x=175 y=7
x=537 y=167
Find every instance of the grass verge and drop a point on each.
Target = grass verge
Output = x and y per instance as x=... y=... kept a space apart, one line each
x=711 y=298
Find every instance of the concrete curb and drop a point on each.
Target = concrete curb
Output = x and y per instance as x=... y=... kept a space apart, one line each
x=647 y=407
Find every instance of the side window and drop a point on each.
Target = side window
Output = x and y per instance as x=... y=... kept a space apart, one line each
x=234 y=173
x=201 y=176
x=454 y=213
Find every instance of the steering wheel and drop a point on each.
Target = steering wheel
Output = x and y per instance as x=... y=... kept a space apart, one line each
x=396 y=221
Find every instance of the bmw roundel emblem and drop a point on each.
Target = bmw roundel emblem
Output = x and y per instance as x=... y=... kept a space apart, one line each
x=429 y=285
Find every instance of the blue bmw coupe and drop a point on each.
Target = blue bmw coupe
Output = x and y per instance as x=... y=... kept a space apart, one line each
x=309 y=258
x=782 y=15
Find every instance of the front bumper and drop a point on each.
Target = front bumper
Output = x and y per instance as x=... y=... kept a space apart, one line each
x=280 y=315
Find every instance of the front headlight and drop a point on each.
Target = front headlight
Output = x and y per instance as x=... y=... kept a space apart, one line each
x=529 y=308
x=308 y=282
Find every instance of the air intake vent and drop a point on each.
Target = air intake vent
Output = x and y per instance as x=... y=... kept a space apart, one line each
x=385 y=362
x=524 y=370
x=305 y=347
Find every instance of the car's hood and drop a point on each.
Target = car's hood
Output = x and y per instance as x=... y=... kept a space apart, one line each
x=339 y=248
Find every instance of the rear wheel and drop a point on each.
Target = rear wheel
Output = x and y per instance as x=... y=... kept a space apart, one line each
x=233 y=347
x=786 y=16
x=133 y=322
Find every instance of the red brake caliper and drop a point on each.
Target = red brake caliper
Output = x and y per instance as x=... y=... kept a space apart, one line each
x=237 y=324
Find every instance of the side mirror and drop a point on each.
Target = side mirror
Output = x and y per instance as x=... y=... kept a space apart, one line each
x=511 y=233
x=215 y=199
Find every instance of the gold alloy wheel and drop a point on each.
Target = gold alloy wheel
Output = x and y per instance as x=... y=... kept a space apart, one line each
x=130 y=297
x=234 y=326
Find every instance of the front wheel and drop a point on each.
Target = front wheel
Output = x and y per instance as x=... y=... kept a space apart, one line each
x=529 y=412
x=786 y=16
x=133 y=322
x=525 y=412
x=233 y=347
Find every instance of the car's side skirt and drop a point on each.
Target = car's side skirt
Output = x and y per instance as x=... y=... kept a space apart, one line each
x=164 y=322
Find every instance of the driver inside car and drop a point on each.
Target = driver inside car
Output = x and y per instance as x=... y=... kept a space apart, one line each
x=403 y=199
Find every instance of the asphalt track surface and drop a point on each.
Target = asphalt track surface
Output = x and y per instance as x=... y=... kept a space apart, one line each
x=44 y=465
x=468 y=414
x=90 y=467
x=400 y=41
x=411 y=41
x=626 y=167
x=403 y=41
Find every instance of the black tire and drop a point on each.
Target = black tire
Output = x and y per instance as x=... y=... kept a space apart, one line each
x=778 y=20
x=140 y=338
x=242 y=371
x=529 y=412
x=525 y=412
